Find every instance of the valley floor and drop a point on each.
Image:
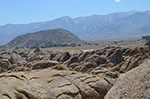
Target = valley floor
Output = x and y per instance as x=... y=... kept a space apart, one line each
x=95 y=45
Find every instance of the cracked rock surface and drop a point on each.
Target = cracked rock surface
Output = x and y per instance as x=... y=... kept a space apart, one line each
x=52 y=84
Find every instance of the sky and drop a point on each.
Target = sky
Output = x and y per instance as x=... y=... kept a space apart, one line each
x=28 y=11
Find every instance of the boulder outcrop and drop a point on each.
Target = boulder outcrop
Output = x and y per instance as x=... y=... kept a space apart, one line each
x=88 y=74
x=134 y=84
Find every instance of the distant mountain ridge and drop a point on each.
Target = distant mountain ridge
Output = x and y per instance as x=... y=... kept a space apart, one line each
x=43 y=38
x=123 y=24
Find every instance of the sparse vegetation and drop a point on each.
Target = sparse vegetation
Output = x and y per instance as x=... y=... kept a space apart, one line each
x=54 y=45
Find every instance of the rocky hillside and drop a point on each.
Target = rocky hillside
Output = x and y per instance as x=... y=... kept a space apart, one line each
x=88 y=74
x=43 y=38
x=95 y=27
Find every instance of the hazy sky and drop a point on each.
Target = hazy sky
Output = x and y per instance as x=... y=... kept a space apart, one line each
x=26 y=11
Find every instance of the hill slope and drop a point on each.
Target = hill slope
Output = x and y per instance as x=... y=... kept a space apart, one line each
x=122 y=24
x=43 y=38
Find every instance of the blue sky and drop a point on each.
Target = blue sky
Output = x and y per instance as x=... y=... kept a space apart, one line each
x=27 y=11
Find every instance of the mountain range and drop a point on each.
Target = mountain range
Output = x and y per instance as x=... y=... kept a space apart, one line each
x=95 y=27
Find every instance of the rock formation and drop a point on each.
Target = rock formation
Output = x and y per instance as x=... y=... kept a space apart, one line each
x=43 y=74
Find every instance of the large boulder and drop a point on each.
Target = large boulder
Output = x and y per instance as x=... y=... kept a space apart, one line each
x=87 y=66
x=43 y=64
x=52 y=84
x=65 y=57
x=16 y=59
x=4 y=63
x=83 y=55
x=73 y=59
x=116 y=57
x=134 y=84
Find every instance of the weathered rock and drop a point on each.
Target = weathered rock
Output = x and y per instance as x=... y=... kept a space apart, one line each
x=95 y=60
x=52 y=84
x=101 y=60
x=73 y=59
x=4 y=63
x=83 y=56
x=99 y=52
x=37 y=50
x=74 y=65
x=2 y=70
x=16 y=59
x=11 y=67
x=87 y=66
x=101 y=86
x=131 y=52
x=85 y=61
x=133 y=63
x=110 y=52
x=135 y=84
x=65 y=57
x=112 y=74
x=60 y=67
x=106 y=65
x=52 y=55
x=125 y=65
x=5 y=54
x=34 y=57
x=57 y=56
x=116 y=57
x=99 y=70
x=44 y=64
x=21 y=68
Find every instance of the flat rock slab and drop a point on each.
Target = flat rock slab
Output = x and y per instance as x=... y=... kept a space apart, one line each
x=52 y=84
x=135 y=84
